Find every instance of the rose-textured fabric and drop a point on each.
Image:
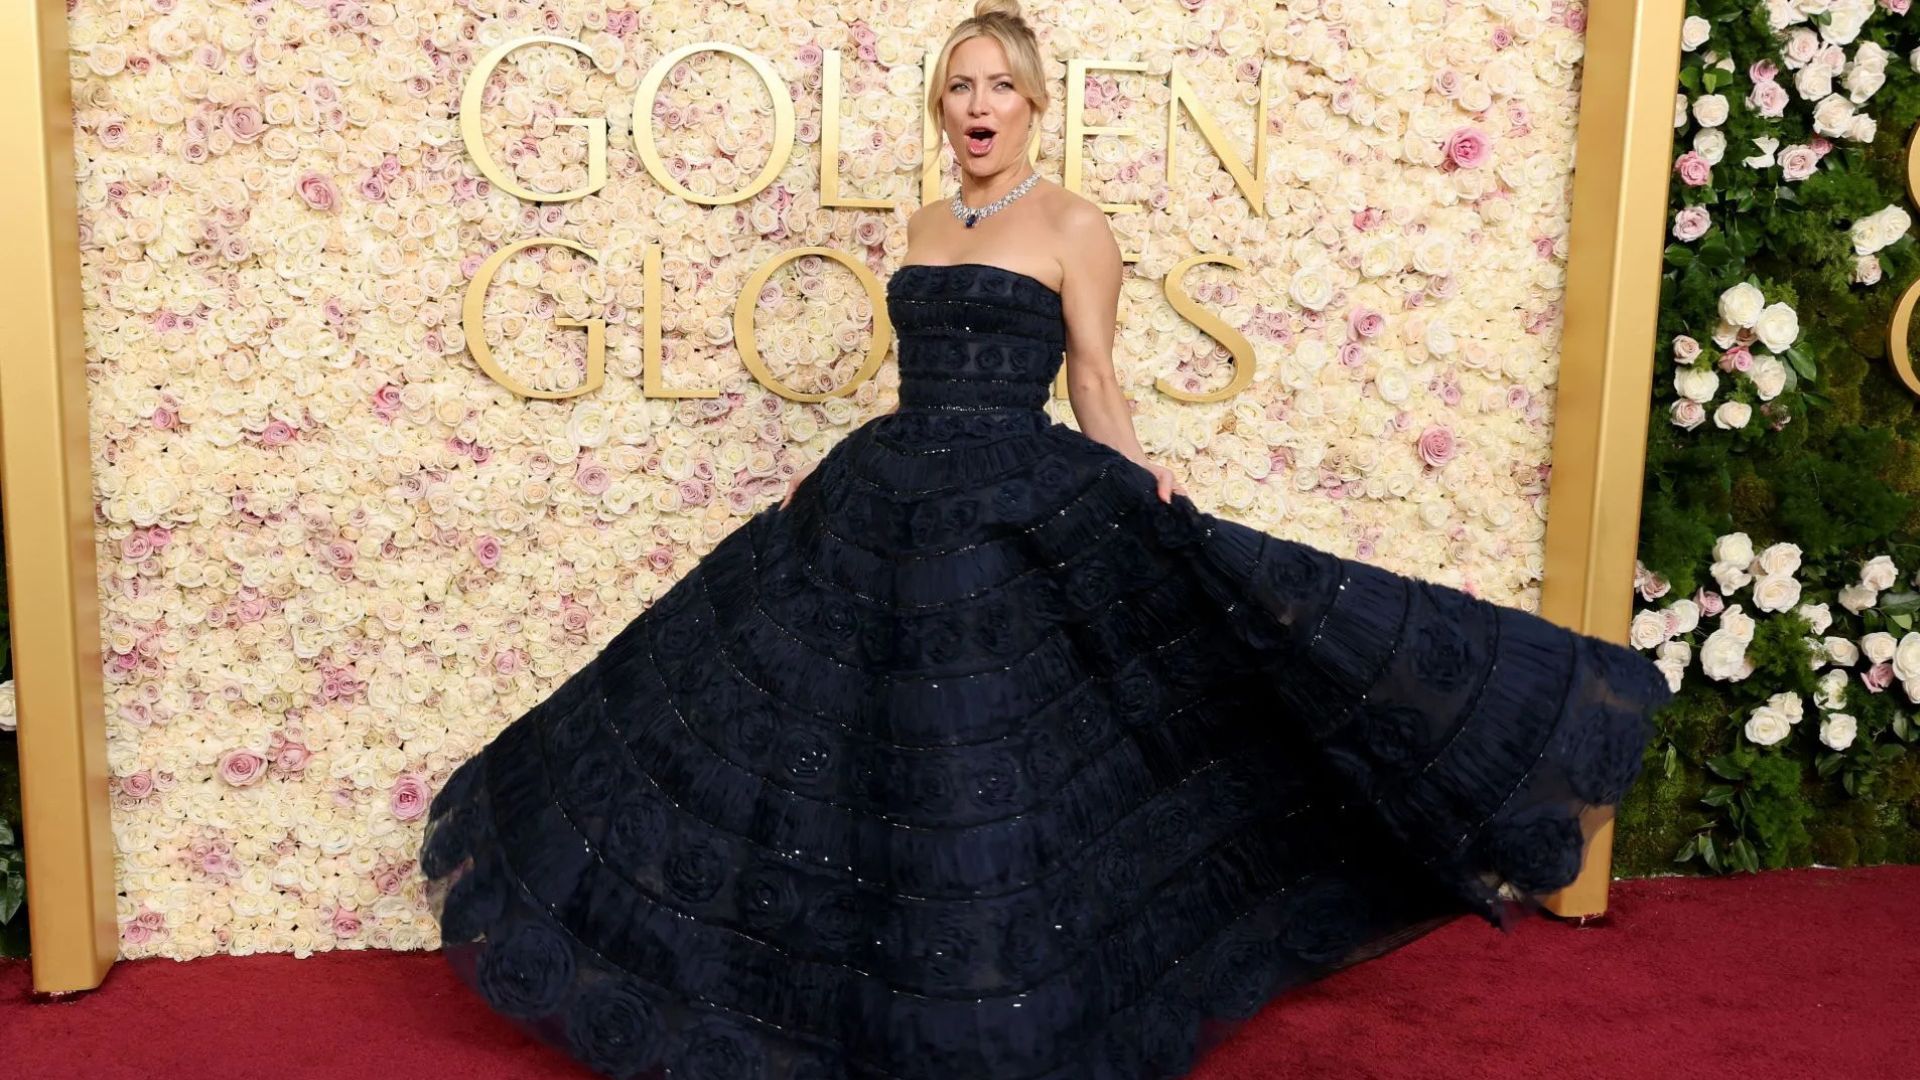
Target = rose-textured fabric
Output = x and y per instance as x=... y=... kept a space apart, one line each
x=979 y=760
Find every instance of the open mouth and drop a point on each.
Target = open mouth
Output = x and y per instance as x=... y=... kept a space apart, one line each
x=979 y=140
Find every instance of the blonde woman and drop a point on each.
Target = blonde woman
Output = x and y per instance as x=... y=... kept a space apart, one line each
x=985 y=753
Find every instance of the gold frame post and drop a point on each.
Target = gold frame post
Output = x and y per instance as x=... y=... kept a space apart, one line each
x=1615 y=241
x=46 y=478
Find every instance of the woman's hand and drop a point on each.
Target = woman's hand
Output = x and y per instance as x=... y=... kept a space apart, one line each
x=794 y=485
x=1164 y=481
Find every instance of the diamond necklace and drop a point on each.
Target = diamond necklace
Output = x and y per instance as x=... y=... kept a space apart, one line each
x=961 y=211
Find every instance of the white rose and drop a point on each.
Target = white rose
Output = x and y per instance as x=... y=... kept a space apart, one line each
x=1683 y=616
x=1906 y=656
x=1777 y=327
x=1724 y=657
x=1711 y=144
x=1680 y=100
x=1710 y=110
x=1833 y=115
x=1766 y=726
x=1778 y=558
x=1878 y=646
x=1769 y=377
x=1694 y=33
x=1741 y=304
x=1831 y=691
x=1880 y=228
x=1862 y=128
x=1734 y=547
x=1732 y=415
x=1311 y=287
x=1912 y=687
x=1858 y=598
x=1837 y=730
x=1879 y=573
x=1674 y=652
x=1817 y=615
x=1813 y=83
x=1648 y=630
x=1776 y=592
x=1788 y=705
x=1738 y=622
x=1764 y=159
x=1696 y=383
x=1730 y=576
x=1676 y=674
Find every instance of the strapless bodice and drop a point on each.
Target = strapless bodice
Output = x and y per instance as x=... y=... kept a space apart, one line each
x=974 y=337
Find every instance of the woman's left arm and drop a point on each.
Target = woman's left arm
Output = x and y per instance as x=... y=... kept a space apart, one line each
x=1090 y=302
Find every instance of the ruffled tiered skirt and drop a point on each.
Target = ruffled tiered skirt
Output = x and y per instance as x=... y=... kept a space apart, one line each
x=980 y=761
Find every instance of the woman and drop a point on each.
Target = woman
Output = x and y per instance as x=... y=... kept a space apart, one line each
x=986 y=753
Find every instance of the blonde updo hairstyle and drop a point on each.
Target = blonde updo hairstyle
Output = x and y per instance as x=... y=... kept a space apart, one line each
x=1001 y=21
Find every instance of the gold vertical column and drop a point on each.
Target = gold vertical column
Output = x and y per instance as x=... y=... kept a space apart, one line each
x=1623 y=156
x=46 y=482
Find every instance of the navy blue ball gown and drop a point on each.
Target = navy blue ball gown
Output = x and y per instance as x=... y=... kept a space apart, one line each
x=978 y=760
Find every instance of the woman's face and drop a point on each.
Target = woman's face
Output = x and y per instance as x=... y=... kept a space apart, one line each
x=984 y=117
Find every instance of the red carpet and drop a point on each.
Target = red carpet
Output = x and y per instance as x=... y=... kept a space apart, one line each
x=1789 y=974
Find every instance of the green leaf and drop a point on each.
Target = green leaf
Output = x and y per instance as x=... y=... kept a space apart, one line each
x=1745 y=855
x=1673 y=759
x=1851 y=781
x=1706 y=852
x=1896 y=603
x=1900 y=725
x=1901 y=619
x=1725 y=767
x=1688 y=849
x=1801 y=364
x=1679 y=255
x=1825 y=764
x=1690 y=78
x=1718 y=795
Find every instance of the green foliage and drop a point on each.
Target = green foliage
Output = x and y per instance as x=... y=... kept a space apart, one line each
x=1832 y=464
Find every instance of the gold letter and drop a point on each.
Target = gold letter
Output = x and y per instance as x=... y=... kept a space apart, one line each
x=1209 y=324
x=476 y=142
x=475 y=329
x=1252 y=185
x=643 y=121
x=650 y=378
x=830 y=141
x=750 y=295
x=1903 y=311
x=1077 y=130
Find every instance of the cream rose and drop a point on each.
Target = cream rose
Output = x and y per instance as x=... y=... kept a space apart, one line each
x=1765 y=726
x=1837 y=730
x=1879 y=573
x=1878 y=647
x=1741 y=304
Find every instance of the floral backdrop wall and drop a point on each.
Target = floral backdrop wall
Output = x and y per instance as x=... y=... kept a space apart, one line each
x=1781 y=534
x=336 y=557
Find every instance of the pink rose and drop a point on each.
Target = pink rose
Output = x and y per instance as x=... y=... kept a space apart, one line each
x=242 y=768
x=409 y=797
x=1710 y=602
x=1467 y=147
x=1502 y=37
x=277 y=433
x=1768 y=98
x=1352 y=354
x=318 y=191
x=575 y=619
x=1688 y=414
x=1693 y=169
x=593 y=479
x=1762 y=70
x=1365 y=322
x=244 y=123
x=1690 y=223
x=165 y=419
x=345 y=922
x=135 y=547
x=1878 y=677
x=487 y=550
x=1797 y=162
x=1732 y=359
x=137 y=786
x=1686 y=349
x=1436 y=446
x=291 y=757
